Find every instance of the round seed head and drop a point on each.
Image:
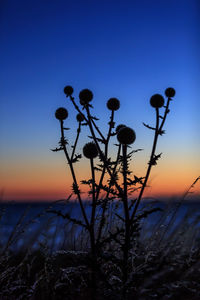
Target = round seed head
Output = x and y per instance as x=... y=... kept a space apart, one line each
x=85 y=96
x=113 y=104
x=126 y=136
x=68 y=90
x=79 y=117
x=120 y=126
x=170 y=92
x=61 y=113
x=90 y=150
x=157 y=101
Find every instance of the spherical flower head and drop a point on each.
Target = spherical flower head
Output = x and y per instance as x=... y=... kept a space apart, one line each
x=113 y=104
x=157 y=101
x=61 y=113
x=90 y=150
x=79 y=118
x=126 y=136
x=68 y=90
x=120 y=126
x=170 y=92
x=85 y=96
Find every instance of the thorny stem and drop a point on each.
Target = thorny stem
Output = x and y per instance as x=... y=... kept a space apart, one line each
x=150 y=165
x=97 y=129
x=90 y=121
x=92 y=222
x=125 y=198
x=107 y=195
x=76 y=141
x=165 y=114
x=100 y=152
x=106 y=153
x=157 y=132
x=126 y=213
x=73 y=175
x=78 y=109
x=92 y=232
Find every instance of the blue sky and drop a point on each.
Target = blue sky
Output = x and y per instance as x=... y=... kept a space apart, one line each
x=124 y=49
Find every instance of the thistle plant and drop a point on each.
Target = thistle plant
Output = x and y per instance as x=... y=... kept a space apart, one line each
x=116 y=183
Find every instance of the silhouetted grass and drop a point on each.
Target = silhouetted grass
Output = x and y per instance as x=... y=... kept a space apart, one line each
x=160 y=267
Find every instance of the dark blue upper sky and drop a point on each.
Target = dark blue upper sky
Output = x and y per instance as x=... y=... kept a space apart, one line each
x=126 y=49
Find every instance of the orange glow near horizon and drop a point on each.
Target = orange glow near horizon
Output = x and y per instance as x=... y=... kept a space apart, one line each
x=43 y=182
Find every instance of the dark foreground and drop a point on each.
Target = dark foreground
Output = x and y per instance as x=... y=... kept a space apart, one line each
x=68 y=275
x=164 y=262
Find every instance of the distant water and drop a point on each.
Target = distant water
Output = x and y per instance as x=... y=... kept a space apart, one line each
x=34 y=221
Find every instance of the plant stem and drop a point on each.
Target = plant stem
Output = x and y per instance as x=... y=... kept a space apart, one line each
x=157 y=132
x=125 y=198
x=106 y=155
x=76 y=141
x=97 y=129
x=73 y=176
x=101 y=153
x=165 y=114
x=78 y=109
x=149 y=167
x=92 y=232
x=107 y=195
x=92 y=222
x=126 y=214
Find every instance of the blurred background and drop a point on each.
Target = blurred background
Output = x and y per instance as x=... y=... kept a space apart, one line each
x=124 y=49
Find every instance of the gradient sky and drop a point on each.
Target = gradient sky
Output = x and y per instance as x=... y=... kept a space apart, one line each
x=124 y=49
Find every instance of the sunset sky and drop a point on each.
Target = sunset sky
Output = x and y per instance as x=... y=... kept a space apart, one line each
x=124 y=49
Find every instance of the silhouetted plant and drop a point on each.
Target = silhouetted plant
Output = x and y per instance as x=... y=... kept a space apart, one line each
x=104 y=191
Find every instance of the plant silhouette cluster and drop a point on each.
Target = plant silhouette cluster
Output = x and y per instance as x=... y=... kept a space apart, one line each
x=112 y=251
x=116 y=183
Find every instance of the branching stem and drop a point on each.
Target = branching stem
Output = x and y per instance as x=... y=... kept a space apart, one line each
x=73 y=175
x=101 y=153
x=107 y=195
x=76 y=141
x=78 y=109
x=157 y=132
x=126 y=245
x=92 y=223
x=106 y=154
x=149 y=166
